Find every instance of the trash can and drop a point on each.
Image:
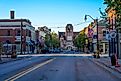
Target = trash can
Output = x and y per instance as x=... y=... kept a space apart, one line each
x=94 y=55
x=13 y=55
x=113 y=60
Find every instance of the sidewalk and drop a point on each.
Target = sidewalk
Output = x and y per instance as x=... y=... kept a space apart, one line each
x=9 y=59
x=4 y=60
x=105 y=63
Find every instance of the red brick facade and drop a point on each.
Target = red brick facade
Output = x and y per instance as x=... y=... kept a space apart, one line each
x=10 y=31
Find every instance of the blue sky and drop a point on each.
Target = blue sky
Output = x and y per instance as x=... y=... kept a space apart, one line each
x=52 y=13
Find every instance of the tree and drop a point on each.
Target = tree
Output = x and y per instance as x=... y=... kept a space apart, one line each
x=48 y=40
x=52 y=40
x=55 y=40
x=79 y=41
x=116 y=6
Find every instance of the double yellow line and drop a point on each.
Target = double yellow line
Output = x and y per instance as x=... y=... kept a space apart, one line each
x=19 y=75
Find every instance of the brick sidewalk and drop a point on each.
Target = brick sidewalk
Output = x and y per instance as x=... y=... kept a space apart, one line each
x=107 y=63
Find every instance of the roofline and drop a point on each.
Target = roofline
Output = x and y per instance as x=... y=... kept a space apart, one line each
x=15 y=20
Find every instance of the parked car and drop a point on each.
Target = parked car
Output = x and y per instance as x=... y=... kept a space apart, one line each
x=55 y=50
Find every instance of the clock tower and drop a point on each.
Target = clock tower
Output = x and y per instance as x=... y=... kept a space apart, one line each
x=69 y=36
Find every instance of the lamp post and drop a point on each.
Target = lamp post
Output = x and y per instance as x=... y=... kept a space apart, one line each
x=96 y=20
x=21 y=37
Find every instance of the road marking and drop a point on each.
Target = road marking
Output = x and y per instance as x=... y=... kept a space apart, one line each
x=56 y=55
x=19 y=75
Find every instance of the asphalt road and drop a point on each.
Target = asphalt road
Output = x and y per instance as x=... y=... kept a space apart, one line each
x=54 y=69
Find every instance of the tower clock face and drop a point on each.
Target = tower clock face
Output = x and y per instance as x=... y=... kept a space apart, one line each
x=69 y=27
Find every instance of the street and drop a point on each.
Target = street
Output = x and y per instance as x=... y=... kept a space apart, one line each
x=64 y=68
x=60 y=40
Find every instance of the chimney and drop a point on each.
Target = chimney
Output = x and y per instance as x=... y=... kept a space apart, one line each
x=12 y=14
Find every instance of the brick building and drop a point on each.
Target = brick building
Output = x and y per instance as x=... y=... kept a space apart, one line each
x=10 y=35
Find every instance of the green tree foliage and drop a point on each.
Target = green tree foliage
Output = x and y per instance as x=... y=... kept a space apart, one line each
x=79 y=41
x=52 y=40
x=48 y=40
x=116 y=5
x=55 y=40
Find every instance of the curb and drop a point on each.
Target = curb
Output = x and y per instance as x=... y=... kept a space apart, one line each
x=18 y=58
x=10 y=60
x=110 y=67
x=110 y=70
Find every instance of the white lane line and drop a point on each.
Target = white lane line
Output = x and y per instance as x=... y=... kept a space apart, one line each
x=19 y=75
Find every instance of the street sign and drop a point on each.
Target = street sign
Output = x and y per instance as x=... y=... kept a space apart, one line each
x=108 y=37
x=113 y=34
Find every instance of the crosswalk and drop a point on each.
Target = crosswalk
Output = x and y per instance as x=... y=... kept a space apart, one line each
x=55 y=55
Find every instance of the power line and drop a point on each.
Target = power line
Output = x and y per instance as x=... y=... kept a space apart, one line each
x=82 y=23
x=74 y=24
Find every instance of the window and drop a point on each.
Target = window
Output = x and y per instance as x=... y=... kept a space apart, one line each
x=104 y=33
x=26 y=32
x=29 y=33
x=18 y=32
x=8 y=33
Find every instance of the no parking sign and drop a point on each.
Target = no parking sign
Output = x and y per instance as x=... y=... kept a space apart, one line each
x=113 y=34
x=108 y=37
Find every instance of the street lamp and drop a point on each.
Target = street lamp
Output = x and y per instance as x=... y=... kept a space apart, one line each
x=96 y=20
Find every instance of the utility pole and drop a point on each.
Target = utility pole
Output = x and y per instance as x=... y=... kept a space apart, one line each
x=117 y=38
x=97 y=40
x=21 y=37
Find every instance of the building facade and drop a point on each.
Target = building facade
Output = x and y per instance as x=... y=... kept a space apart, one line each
x=17 y=35
x=103 y=43
x=41 y=33
x=67 y=38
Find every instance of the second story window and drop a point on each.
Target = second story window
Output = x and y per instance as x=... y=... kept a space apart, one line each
x=8 y=33
x=18 y=32
x=29 y=33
